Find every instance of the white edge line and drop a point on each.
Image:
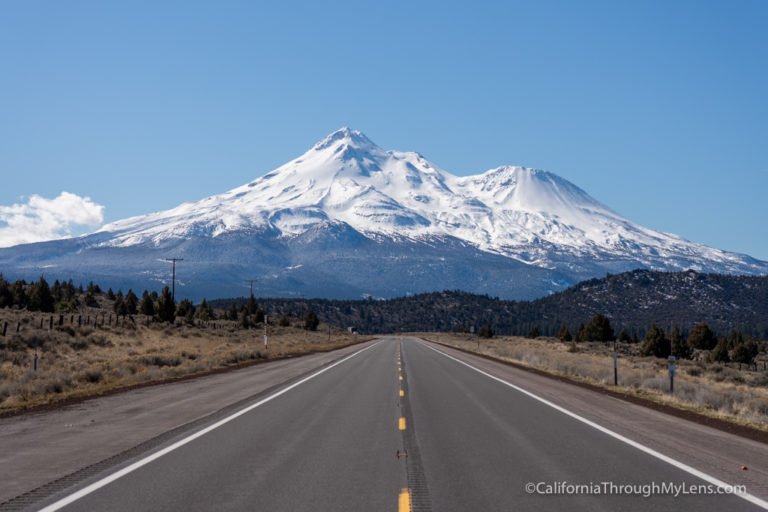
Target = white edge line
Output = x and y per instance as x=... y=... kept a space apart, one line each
x=650 y=451
x=178 y=444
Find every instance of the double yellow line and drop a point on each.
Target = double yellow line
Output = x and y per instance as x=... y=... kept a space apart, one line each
x=404 y=499
x=401 y=423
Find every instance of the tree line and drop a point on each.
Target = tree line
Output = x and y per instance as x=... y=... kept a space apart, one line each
x=65 y=297
x=701 y=340
x=439 y=311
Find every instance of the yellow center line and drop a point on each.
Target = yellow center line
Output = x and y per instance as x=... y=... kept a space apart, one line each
x=401 y=425
x=402 y=393
x=404 y=501
x=401 y=377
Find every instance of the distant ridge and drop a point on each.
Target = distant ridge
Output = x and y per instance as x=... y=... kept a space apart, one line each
x=632 y=300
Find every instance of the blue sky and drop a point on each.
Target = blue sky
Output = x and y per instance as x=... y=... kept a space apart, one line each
x=657 y=109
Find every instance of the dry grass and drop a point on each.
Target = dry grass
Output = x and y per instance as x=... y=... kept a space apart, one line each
x=76 y=361
x=727 y=393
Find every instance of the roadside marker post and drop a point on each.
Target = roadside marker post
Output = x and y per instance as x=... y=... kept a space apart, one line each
x=266 y=323
x=671 y=368
x=615 y=364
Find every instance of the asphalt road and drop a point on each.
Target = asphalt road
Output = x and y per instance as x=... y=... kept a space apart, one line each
x=43 y=446
x=396 y=425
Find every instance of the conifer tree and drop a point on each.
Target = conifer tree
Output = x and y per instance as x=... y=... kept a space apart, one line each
x=40 y=298
x=131 y=302
x=564 y=334
x=680 y=348
x=166 y=308
x=720 y=352
x=311 y=322
x=598 y=329
x=147 y=306
x=701 y=337
x=655 y=343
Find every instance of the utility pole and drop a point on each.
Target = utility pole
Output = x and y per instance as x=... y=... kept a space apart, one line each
x=251 y=281
x=173 y=278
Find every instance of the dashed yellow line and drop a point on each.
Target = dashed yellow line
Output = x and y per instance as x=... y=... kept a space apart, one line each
x=402 y=393
x=404 y=501
x=401 y=377
x=401 y=424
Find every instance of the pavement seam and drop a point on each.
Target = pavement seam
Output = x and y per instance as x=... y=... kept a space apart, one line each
x=420 y=499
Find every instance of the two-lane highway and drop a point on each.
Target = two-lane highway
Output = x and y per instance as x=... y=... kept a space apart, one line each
x=398 y=425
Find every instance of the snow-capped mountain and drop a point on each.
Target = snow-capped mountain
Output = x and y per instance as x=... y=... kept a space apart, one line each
x=348 y=218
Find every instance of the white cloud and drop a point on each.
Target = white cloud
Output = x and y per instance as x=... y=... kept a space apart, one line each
x=40 y=219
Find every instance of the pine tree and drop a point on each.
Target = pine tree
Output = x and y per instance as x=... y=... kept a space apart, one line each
x=598 y=329
x=90 y=300
x=258 y=317
x=702 y=337
x=110 y=294
x=185 y=308
x=735 y=338
x=147 y=306
x=534 y=332
x=166 y=308
x=245 y=322
x=203 y=312
x=189 y=317
x=745 y=352
x=69 y=291
x=119 y=305
x=581 y=333
x=720 y=352
x=564 y=334
x=20 y=297
x=56 y=291
x=311 y=322
x=655 y=343
x=680 y=348
x=40 y=298
x=486 y=331
x=6 y=295
x=251 y=306
x=131 y=302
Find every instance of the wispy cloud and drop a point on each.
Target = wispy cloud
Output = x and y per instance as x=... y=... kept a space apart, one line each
x=40 y=218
